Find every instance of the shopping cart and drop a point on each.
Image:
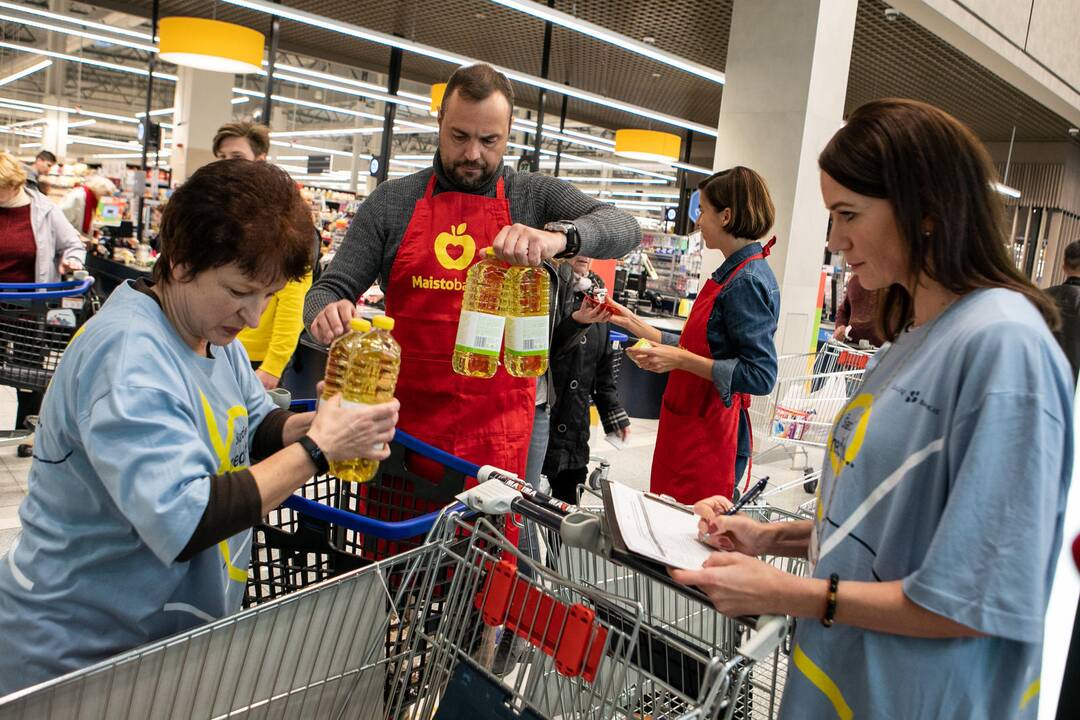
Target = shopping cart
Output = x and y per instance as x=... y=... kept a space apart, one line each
x=37 y=321
x=407 y=637
x=810 y=391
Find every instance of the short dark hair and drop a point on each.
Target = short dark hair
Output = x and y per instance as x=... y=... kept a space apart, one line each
x=241 y=212
x=745 y=192
x=929 y=165
x=257 y=136
x=1072 y=256
x=46 y=156
x=478 y=82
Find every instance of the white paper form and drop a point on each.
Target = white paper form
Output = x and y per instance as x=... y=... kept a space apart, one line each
x=656 y=530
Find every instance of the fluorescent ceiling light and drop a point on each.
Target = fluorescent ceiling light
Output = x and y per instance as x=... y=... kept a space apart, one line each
x=75 y=20
x=599 y=163
x=629 y=193
x=155 y=113
x=101 y=142
x=301 y=103
x=21 y=108
x=240 y=100
x=319 y=150
x=81 y=123
x=80 y=33
x=25 y=71
x=370 y=94
x=599 y=179
x=597 y=32
x=70 y=110
x=30 y=144
x=1006 y=190
x=24 y=123
x=87 y=61
x=326 y=23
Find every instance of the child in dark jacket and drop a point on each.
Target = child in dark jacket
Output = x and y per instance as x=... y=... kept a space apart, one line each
x=584 y=368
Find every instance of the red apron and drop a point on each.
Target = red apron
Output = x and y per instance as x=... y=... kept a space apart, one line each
x=485 y=421
x=698 y=436
x=88 y=210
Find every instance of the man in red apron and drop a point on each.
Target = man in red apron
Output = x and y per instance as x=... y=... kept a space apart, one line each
x=420 y=234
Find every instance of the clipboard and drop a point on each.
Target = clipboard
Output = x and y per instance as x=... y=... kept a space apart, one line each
x=624 y=556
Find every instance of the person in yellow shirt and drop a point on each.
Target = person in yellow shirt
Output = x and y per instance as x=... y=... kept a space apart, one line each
x=271 y=344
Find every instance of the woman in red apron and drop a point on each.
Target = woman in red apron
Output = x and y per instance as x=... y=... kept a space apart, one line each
x=726 y=351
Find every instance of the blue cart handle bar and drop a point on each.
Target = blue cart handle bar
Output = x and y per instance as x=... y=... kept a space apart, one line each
x=385 y=530
x=52 y=291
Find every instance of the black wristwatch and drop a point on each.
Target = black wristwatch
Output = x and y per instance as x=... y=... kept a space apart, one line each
x=573 y=240
x=322 y=465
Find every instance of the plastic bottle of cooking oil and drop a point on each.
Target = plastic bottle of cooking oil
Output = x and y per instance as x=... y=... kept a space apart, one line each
x=526 y=351
x=370 y=378
x=338 y=358
x=480 y=325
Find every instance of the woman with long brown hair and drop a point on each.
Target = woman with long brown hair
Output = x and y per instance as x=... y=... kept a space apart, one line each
x=940 y=509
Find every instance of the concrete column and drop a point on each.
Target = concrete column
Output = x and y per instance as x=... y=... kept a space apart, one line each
x=787 y=73
x=54 y=135
x=203 y=103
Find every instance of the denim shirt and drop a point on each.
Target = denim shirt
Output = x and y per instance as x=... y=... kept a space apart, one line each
x=740 y=330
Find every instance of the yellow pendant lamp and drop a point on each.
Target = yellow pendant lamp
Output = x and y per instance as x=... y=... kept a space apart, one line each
x=650 y=145
x=210 y=45
x=437 y=92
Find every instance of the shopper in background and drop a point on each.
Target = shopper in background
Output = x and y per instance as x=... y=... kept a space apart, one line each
x=940 y=508
x=420 y=234
x=41 y=166
x=271 y=343
x=141 y=498
x=856 y=318
x=726 y=351
x=1067 y=297
x=583 y=367
x=37 y=245
x=80 y=203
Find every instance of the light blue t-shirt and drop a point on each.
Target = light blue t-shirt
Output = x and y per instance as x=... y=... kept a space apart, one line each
x=132 y=426
x=947 y=470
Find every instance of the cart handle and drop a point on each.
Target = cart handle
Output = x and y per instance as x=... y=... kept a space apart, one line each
x=53 y=290
x=401 y=530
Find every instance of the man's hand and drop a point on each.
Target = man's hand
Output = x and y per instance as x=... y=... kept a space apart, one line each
x=841 y=333
x=519 y=244
x=268 y=381
x=333 y=321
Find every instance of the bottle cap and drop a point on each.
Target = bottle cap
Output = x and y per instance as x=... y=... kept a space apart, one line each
x=489 y=252
x=383 y=322
x=359 y=325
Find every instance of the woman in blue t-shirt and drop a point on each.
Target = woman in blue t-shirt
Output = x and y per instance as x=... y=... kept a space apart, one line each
x=158 y=449
x=940 y=510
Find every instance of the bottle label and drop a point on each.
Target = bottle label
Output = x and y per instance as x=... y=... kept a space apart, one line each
x=479 y=333
x=527 y=335
x=353 y=404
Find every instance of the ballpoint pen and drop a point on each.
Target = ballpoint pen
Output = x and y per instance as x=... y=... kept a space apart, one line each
x=748 y=497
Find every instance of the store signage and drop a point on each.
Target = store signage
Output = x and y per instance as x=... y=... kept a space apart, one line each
x=318 y=164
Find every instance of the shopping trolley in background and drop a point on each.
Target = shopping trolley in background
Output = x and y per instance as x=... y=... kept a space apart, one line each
x=410 y=636
x=811 y=389
x=37 y=321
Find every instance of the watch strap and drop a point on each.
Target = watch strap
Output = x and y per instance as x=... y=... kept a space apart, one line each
x=573 y=240
x=322 y=465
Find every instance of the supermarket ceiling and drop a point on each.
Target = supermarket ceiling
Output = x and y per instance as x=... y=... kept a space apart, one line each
x=889 y=58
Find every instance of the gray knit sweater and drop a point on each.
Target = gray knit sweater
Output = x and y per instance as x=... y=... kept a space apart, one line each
x=368 y=249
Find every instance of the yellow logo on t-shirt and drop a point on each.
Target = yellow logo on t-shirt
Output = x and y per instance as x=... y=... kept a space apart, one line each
x=456 y=238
